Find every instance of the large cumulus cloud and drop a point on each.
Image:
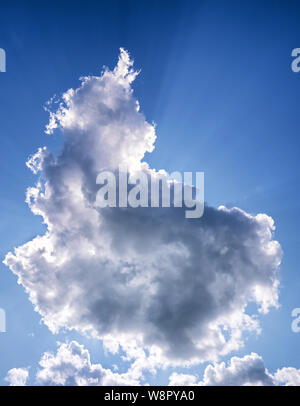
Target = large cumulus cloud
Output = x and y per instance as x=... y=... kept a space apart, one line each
x=149 y=280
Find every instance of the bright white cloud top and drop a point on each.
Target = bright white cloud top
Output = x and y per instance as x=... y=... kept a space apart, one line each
x=247 y=371
x=71 y=365
x=143 y=279
x=17 y=376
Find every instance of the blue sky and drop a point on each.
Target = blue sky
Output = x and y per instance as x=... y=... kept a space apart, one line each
x=215 y=77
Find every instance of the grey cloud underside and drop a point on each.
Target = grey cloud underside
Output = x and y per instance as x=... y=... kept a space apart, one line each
x=178 y=287
x=201 y=269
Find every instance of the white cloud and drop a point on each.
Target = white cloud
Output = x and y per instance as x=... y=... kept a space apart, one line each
x=71 y=366
x=17 y=376
x=167 y=289
x=287 y=376
x=177 y=379
x=248 y=370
